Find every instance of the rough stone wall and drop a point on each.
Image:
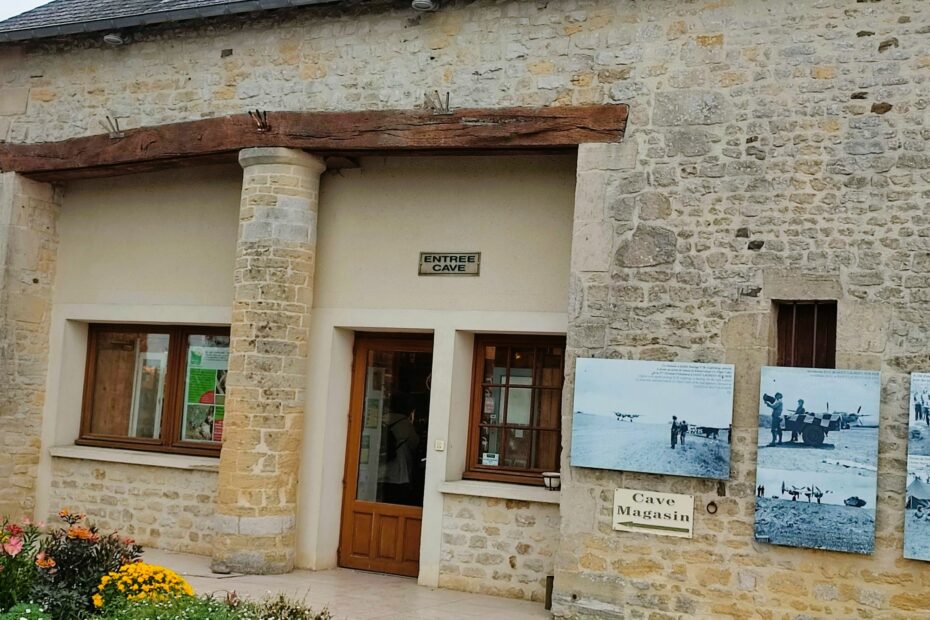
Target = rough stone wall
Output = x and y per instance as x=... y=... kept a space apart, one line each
x=29 y=234
x=159 y=507
x=797 y=184
x=772 y=146
x=498 y=546
x=790 y=62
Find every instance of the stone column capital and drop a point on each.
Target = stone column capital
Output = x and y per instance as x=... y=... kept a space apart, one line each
x=279 y=155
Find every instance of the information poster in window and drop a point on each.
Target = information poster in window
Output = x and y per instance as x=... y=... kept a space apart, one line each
x=917 y=492
x=655 y=417
x=205 y=393
x=816 y=473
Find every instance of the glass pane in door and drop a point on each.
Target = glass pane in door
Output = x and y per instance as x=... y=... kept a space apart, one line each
x=395 y=416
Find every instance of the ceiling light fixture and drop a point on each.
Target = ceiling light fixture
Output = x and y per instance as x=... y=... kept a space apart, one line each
x=425 y=6
x=114 y=38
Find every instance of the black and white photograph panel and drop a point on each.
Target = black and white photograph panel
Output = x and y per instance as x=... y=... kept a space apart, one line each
x=816 y=510
x=654 y=417
x=918 y=441
x=818 y=458
x=917 y=509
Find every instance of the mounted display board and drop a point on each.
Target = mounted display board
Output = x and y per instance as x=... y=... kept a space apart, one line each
x=664 y=514
x=450 y=263
x=917 y=493
x=816 y=473
x=654 y=417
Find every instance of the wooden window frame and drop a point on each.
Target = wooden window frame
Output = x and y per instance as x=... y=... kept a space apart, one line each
x=786 y=344
x=169 y=440
x=474 y=470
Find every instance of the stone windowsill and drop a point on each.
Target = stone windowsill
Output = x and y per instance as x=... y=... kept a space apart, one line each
x=133 y=457
x=500 y=490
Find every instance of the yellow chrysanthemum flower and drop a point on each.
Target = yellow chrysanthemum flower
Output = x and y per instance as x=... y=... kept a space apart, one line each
x=140 y=581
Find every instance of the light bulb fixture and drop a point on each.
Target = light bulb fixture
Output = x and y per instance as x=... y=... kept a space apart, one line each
x=425 y=6
x=552 y=480
x=114 y=38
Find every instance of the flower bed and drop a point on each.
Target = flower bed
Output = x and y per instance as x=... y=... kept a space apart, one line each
x=73 y=572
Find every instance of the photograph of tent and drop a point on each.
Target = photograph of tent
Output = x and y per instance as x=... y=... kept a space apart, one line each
x=917 y=509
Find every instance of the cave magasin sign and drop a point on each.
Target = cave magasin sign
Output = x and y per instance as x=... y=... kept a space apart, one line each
x=646 y=512
x=450 y=263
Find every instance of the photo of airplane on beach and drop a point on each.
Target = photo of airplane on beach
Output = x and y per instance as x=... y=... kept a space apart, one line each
x=817 y=464
x=653 y=417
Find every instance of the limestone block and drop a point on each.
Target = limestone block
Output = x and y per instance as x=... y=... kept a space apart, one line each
x=648 y=246
x=692 y=142
x=13 y=101
x=607 y=156
x=791 y=285
x=591 y=246
x=862 y=328
x=691 y=107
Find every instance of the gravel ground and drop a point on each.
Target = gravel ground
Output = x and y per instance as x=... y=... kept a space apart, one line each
x=815 y=526
x=916 y=536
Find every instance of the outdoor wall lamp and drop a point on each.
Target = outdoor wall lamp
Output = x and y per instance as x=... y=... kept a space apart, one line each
x=552 y=480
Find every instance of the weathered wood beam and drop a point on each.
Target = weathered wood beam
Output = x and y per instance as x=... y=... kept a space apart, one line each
x=325 y=133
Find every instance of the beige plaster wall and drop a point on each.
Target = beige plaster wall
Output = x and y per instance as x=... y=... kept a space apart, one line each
x=144 y=248
x=166 y=238
x=375 y=220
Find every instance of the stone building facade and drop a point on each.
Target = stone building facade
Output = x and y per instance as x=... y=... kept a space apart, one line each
x=774 y=151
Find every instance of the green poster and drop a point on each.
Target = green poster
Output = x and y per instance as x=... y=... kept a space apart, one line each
x=201 y=383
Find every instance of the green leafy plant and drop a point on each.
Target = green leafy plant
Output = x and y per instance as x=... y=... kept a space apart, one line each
x=26 y=611
x=183 y=607
x=278 y=607
x=19 y=544
x=72 y=560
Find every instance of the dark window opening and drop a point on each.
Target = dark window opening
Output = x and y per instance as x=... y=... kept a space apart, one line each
x=807 y=334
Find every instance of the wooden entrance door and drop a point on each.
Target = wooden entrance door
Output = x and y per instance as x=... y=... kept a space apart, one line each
x=382 y=504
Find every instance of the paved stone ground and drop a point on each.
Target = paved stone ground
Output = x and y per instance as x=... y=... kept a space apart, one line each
x=350 y=594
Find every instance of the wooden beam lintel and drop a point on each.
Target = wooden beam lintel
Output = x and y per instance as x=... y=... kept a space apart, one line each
x=325 y=133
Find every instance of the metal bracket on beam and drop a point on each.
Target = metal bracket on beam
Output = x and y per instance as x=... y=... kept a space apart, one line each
x=261 y=120
x=112 y=127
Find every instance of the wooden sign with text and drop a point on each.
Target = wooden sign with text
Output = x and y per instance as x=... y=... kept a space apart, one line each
x=664 y=514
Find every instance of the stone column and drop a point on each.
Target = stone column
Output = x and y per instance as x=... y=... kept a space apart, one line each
x=28 y=249
x=257 y=495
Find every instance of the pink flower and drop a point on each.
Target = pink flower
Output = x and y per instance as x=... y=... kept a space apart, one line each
x=13 y=546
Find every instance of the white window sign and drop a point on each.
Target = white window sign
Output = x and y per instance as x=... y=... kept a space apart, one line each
x=664 y=514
